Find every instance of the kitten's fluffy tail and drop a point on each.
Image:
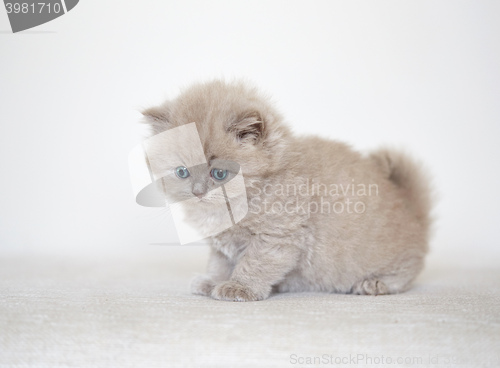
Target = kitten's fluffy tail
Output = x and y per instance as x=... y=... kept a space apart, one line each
x=410 y=176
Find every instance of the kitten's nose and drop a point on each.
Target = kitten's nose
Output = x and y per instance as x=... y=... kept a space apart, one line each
x=198 y=190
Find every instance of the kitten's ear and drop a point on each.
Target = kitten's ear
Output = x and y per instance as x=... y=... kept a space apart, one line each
x=157 y=117
x=249 y=128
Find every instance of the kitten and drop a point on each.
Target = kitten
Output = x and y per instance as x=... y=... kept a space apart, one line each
x=321 y=217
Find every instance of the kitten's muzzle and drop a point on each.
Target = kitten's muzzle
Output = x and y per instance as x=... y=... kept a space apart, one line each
x=199 y=190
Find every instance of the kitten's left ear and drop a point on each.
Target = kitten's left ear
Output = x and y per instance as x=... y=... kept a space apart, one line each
x=157 y=117
x=250 y=128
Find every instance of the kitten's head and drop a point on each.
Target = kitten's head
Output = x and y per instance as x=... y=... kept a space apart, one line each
x=237 y=128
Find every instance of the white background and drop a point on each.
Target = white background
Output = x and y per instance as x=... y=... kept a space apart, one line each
x=422 y=75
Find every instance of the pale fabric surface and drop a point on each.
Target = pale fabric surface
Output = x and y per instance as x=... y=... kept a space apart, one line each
x=135 y=310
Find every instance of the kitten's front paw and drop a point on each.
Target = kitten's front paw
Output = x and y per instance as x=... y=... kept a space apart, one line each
x=370 y=287
x=234 y=291
x=202 y=285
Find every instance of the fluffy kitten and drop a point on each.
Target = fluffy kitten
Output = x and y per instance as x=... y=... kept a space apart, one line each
x=321 y=217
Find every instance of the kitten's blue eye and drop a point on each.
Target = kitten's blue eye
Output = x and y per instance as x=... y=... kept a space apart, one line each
x=219 y=174
x=181 y=172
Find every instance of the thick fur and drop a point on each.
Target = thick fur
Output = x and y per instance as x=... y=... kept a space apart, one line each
x=377 y=247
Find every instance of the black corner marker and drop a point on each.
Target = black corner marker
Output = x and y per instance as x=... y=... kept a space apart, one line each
x=26 y=14
x=70 y=4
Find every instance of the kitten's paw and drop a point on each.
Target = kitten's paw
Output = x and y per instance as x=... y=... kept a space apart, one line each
x=235 y=292
x=202 y=285
x=370 y=287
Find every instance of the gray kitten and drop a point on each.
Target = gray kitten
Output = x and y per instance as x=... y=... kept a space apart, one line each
x=321 y=217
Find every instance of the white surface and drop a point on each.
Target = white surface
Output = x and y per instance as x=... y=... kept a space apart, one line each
x=135 y=310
